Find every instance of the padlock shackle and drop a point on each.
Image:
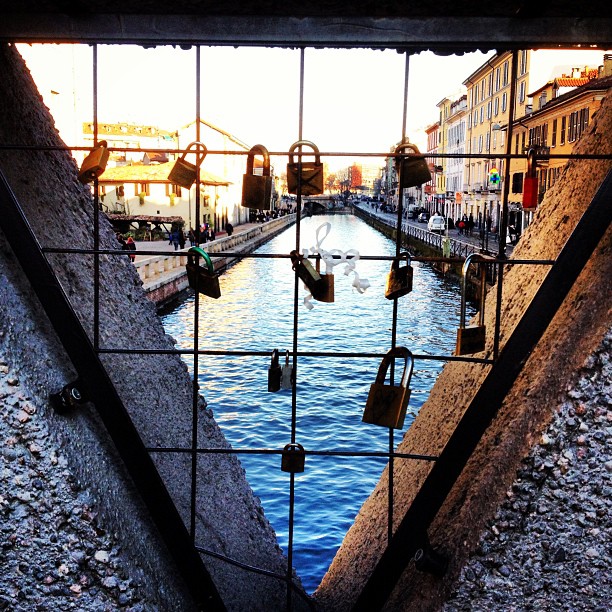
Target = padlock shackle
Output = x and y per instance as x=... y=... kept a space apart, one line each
x=304 y=143
x=531 y=163
x=200 y=155
x=469 y=260
x=294 y=446
x=396 y=260
x=258 y=149
x=274 y=362
x=398 y=351
x=286 y=358
x=193 y=251
x=414 y=150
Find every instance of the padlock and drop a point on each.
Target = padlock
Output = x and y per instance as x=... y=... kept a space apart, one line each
x=306 y=272
x=203 y=280
x=324 y=291
x=311 y=175
x=412 y=171
x=287 y=374
x=184 y=173
x=293 y=458
x=94 y=164
x=257 y=190
x=274 y=373
x=471 y=339
x=399 y=280
x=386 y=404
x=530 y=183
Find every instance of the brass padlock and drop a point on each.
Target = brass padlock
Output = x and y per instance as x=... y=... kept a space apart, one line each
x=412 y=171
x=530 y=183
x=386 y=404
x=203 y=280
x=287 y=374
x=324 y=291
x=306 y=272
x=293 y=458
x=274 y=373
x=471 y=338
x=184 y=173
x=256 y=189
x=399 y=280
x=94 y=164
x=310 y=178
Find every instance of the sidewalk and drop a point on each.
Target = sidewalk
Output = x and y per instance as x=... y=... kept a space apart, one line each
x=162 y=246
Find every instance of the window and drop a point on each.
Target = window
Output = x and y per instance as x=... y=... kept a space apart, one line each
x=496 y=106
x=523 y=141
x=516 y=144
x=572 y=127
x=142 y=188
x=522 y=92
x=490 y=84
x=504 y=101
x=505 y=78
x=497 y=78
x=488 y=142
x=523 y=62
x=482 y=90
x=476 y=117
x=489 y=109
x=481 y=114
x=562 y=134
x=517 y=182
x=480 y=144
x=553 y=136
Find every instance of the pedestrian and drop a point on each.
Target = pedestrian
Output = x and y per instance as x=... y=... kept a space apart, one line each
x=192 y=236
x=130 y=245
x=181 y=238
x=211 y=233
x=229 y=228
x=175 y=239
x=461 y=226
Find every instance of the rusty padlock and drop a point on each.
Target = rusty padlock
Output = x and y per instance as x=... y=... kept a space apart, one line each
x=287 y=374
x=308 y=175
x=257 y=189
x=94 y=164
x=293 y=458
x=399 y=279
x=412 y=171
x=386 y=404
x=203 y=280
x=274 y=373
x=306 y=272
x=184 y=173
x=530 y=183
x=324 y=291
x=471 y=338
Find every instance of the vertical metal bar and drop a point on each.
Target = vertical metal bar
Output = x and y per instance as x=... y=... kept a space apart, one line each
x=503 y=227
x=96 y=213
x=196 y=336
x=296 y=287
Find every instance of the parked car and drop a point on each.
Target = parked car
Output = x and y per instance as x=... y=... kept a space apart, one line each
x=423 y=217
x=437 y=223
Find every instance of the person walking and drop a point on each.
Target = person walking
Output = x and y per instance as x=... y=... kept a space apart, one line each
x=229 y=228
x=130 y=245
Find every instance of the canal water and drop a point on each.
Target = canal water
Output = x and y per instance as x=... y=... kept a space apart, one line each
x=255 y=313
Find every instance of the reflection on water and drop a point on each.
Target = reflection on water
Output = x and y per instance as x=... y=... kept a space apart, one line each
x=255 y=313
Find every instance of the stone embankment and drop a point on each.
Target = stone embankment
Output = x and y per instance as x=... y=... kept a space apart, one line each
x=164 y=276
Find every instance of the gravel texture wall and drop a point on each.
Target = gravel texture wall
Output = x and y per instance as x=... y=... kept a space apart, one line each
x=576 y=333
x=156 y=390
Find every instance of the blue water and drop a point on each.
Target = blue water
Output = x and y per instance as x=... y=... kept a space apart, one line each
x=255 y=313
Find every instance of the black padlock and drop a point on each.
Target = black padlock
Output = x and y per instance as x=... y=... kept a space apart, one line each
x=184 y=173
x=257 y=189
x=293 y=458
x=306 y=272
x=412 y=171
x=274 y=373
x=472 y=338
x=309 y=175
x=399 y=280
x=203 y=280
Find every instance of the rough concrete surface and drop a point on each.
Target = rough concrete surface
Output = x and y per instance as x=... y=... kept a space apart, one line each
x=532 y=406
x=156 y=390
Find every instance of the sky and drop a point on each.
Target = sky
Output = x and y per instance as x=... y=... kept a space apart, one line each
x=353 y=98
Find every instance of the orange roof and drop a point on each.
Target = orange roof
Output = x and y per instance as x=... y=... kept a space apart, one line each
x=152 y=173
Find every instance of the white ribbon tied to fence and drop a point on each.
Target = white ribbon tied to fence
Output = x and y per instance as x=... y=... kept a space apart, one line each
x=333 y=258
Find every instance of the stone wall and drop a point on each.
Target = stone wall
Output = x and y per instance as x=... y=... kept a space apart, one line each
x=156 y=390
x=535 y=405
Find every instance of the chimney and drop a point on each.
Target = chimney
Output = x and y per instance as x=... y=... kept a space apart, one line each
x=607 y=65
x=575 y=73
